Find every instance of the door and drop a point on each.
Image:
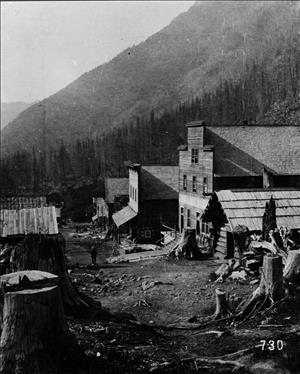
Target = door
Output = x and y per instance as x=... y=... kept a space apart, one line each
x=229 y=245
x=181 y=219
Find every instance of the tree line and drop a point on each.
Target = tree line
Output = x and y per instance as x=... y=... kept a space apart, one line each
x=262 y=94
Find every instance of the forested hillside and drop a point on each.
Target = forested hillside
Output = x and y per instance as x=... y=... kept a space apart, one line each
x=211 y=42
x=245 y=66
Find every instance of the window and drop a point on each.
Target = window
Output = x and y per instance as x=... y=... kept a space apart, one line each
x=205 y=189
x=195 y=154
x=194 y=184
x=188 y=221
x=182 y=210
x=204 y=227
x=147 y=234
x=184 y=182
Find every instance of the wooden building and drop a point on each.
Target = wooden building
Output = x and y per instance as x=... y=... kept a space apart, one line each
x=153 y=202
x=227 y=209
x=116 y=195
x=233 y=157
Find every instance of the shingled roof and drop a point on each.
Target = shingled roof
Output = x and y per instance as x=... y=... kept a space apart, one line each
x=159 y=182
x=246 y=150
x=247 y=207
x=115 y=187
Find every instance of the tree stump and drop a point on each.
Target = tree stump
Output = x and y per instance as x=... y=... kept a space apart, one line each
x=222 y=308
x=271 y=280
x=46 y=253
x=270 y=289
x=187 y=247
x=35 y=338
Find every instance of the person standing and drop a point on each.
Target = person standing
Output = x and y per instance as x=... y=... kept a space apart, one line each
x=94 y=254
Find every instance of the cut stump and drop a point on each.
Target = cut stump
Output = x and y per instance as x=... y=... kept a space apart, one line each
x=35 y=337
x=271 y=280
x=222 y=308
x=46 y=253
x=269 y=291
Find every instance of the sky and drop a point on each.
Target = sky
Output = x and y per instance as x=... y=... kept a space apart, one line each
x=47 y=45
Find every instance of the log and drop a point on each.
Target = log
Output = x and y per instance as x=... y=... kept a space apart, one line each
x=35 y=337
x=222 y=308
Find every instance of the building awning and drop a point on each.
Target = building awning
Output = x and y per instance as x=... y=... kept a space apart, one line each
x=124 y=215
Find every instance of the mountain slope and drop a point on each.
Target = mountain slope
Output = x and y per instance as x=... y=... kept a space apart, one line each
x=10 y=111
x=212 y=40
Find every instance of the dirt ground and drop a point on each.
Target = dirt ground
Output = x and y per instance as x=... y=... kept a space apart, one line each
x=165 y=292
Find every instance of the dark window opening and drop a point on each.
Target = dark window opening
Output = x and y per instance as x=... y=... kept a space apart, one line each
x=194 y=184
x=188 y=221
x=184 y=182
x=195 y=156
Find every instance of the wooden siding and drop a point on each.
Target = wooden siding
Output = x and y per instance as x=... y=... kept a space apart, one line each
x=24 y=221
x=221 y=249
x=203 y=169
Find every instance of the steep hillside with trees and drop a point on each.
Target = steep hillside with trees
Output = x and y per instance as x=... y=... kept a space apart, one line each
x=214 y=51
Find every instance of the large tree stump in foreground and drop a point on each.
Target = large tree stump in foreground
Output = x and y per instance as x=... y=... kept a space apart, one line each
x=46 y=253
x=35 y=338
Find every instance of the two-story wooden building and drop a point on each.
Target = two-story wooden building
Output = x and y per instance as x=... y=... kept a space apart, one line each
x=153 y=202
x=233 y=157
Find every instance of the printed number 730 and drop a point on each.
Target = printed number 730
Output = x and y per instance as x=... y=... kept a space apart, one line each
x=272 y=345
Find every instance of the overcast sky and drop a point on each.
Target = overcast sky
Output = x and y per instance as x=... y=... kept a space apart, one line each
x=46 y=45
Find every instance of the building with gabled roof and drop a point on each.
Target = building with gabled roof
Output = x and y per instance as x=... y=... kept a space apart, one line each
x=115 y=187
x=228 y=157
x=153 y=202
